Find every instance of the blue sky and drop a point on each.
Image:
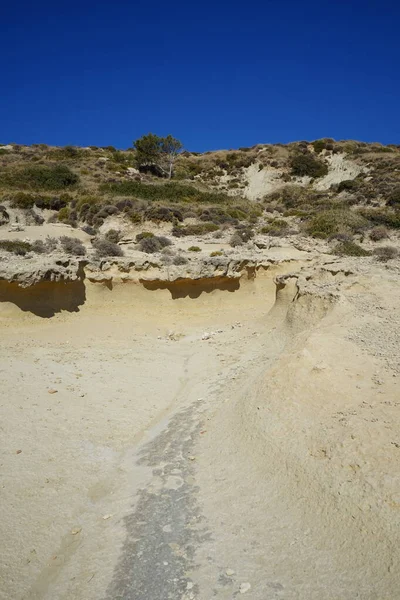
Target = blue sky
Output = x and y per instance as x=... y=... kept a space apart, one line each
x=214 y=74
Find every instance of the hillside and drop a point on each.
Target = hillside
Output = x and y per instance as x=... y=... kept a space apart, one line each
x=337 y=191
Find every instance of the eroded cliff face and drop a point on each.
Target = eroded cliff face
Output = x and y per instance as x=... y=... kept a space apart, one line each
x=52 y=285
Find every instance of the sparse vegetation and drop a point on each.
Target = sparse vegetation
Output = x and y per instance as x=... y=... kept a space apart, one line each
x=17 y=247
x=194 y=249
x=378 y=233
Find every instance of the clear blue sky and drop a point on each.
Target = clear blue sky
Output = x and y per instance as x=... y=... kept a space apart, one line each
x=214 y=74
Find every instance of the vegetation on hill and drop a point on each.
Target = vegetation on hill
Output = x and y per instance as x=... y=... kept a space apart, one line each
x=203 y=194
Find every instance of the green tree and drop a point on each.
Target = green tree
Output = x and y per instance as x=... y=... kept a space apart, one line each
x=158 y=152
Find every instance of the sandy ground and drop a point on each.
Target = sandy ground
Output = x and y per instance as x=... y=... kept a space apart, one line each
x=262 y=460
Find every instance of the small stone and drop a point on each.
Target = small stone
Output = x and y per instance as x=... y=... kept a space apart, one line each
x=244 y=587
x=51 y=391
x=76 y=530
x=18 y=452
x=105 y=517
x=230 y=572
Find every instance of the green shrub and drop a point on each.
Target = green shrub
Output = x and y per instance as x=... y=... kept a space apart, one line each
x=64 y=214
x=350 y=249
x=216 y=253
x=200 y=229
x=382 y=217
x=394 y=198
x=318 y=146
x=194 y=249
x=163 y=213
x=335 y=221
x=143 y=235
x=113 y=235
x=306 y=164
x=348 y=185
x=17 y=247
x=40 y=177
x=172 y=191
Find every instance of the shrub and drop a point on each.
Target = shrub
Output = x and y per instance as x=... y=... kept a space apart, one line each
x=51 y=243
x=15 y=246
x=64 y=214
x=143 y=235
x=378 y=233
x=385 y=253
x=4 y=216
x=113 y=235
x=306 y=164
x=348 y=185
x=276 y=227
x=350 y=249
x=72 y=246
x=335 y=221
x=89 y=230
x=39 y=177
x=200 y=229
x=153 y=244
x=179 y=260
x=382 y=217
x=172 y=191
x=394 y=198
x=216 y=253
x=163 y=213
x=106 y=248
x=194 y=249
x=319 y=145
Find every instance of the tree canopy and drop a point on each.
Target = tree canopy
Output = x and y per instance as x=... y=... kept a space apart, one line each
x=157 y=152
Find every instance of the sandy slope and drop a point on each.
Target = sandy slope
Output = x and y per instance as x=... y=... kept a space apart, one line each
x=278 y=434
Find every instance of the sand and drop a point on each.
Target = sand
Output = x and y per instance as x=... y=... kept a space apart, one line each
x=273 y=418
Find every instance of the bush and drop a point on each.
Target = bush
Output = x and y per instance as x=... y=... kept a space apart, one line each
x=194 y=249
x=306 y=164
x=378 y=233
x=350 y=249
x=106 y=248
x=382 y=217
x=385 y=253
x=172 y=191
x=216 y=253
x=331 y=222
x=143 y=235
x=113 y=235
x=179 y=260
x=4 y=216
x=15 y=246
x=72 y=246
x=200 y=229
x=394 y=198
x=348 y=185
x=153 y=244
x=39 y=177
x=64 y=214
x=163 y=213
x=89 y=230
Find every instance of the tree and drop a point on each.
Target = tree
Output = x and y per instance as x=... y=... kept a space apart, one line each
x=159 y=152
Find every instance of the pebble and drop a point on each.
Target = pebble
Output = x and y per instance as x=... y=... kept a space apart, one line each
x=230 y=572
x=244 y=587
